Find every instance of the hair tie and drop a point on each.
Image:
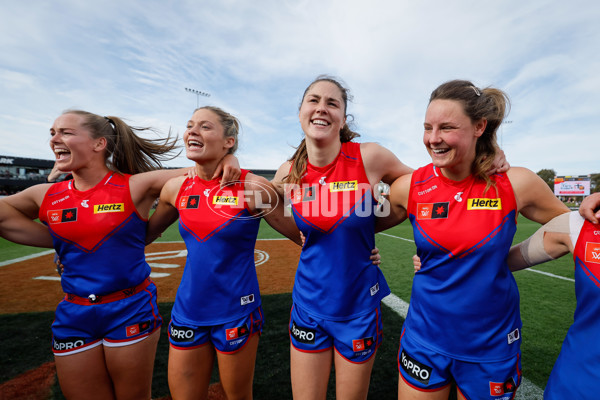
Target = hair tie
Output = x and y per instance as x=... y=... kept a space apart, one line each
x=477 y=91
x=111 y=122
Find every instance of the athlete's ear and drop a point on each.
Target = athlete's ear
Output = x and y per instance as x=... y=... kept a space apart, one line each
x=229 y=142
x=100 y=144
x=480 y=127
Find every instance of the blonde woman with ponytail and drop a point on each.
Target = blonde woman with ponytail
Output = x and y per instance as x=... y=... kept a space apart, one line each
x=106 y=329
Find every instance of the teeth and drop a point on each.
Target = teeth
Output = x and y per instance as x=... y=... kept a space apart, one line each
x=320 y=122
x=194 y=143
x=439 y=151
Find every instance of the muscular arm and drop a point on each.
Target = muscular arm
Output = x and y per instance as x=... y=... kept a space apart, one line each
x=18 y=228
x=398 y=202
x=551 y=241
x=166 y=212
x=534 y=198
x=381 y=164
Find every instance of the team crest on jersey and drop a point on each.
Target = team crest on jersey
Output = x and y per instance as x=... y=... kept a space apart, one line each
x=60 y=216
x=484 y=204
x=343 y=186
x=107 y=208
x=189 y=202
x=432 y=210
x=225 y=200
x=592 y=252
x=308 y=193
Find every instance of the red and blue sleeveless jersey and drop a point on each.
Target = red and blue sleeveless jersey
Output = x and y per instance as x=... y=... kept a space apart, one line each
x=576 y=373
x=464 y=301
x=219 y=282
x=98 y=235
x=334 y=208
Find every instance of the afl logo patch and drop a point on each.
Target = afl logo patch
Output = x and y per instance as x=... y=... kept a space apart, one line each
x=432 y=210
x=60 y=216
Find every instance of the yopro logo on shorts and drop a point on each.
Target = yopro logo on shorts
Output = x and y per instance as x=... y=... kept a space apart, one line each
x=416 y=370
x=181 y=334
x=302 y=334
x=68 y=343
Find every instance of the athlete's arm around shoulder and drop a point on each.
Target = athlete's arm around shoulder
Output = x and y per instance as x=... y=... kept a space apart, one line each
x=534 y=198
x=381 y=164
x=266 y=201
x=398 y=203
x=17 y=214
x=166 y=211
x=590 y=208
x=145 y=187
x=281 y=173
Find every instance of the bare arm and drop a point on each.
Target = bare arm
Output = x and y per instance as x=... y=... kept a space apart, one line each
x=381 y=164
x=18 y=228
x=230 y=169
x=535 y=200
x=166 y=212
x=588 y=206
x=551 y=241
x=272 y=207
x=398 y=201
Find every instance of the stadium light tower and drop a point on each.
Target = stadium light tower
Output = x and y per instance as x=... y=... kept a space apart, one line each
x=198 y=94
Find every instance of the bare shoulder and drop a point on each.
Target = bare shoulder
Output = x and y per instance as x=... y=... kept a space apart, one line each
x=256 y=182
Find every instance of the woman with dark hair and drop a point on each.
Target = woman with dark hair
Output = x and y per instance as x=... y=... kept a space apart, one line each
x=330 y=182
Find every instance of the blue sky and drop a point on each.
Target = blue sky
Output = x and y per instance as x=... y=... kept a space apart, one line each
x=133 y=59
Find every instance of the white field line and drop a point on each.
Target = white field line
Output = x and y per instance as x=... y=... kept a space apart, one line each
x=527 y=391
x=29 y=257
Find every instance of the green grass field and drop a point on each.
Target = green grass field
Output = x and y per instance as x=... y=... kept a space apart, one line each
x=547 y=306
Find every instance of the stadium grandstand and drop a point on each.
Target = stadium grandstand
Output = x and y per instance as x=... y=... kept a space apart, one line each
x=18 y=173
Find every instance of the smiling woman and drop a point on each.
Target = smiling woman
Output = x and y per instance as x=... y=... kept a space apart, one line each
x=106 y=329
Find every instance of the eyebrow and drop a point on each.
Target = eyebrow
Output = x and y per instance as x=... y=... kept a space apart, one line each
x=326 y=98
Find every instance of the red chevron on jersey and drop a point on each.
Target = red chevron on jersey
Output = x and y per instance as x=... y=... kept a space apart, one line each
x=329 y=195
x=88 y=218
x=205 y=208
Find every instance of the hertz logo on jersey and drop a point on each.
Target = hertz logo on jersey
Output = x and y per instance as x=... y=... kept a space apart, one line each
x=343 y=186
x=484 y=204
x=225 y=200
x=106 y=208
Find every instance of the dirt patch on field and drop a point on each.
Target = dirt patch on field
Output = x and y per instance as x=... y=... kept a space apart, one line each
x=33 y=285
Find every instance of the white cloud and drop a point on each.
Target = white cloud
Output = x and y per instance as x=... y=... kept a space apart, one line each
x=134 y=59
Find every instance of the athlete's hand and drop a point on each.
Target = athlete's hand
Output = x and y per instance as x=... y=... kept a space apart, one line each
x=375 y=256
x=416 y=263
x=55 y=173
x=500 y=163
x=229 y=168
x=587 y=207
x=59 y=267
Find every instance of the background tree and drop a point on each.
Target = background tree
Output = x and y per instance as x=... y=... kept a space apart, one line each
x=547 y=176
